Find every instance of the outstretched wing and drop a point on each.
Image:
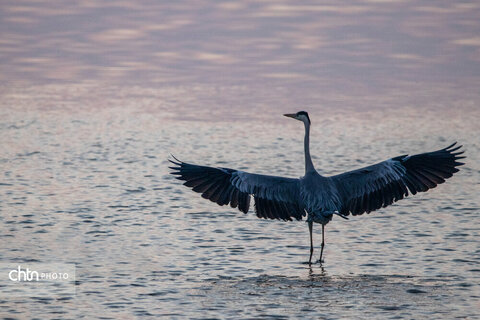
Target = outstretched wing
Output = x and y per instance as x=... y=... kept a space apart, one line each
x=275 y=197
x=379 y=185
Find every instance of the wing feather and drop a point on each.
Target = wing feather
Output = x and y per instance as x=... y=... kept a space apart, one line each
x=380 y=185
x=275 y=197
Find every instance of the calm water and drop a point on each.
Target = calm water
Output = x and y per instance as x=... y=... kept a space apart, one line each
x=94 y=99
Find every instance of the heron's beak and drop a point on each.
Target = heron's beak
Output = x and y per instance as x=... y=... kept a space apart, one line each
x=290 y=115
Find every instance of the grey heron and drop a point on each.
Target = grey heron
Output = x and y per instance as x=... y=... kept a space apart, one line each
x=353 y=192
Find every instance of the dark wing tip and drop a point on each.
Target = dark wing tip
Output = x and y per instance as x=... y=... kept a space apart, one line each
x=457 y=152
x=454 y=147
x=450 y=146
x=175 y=158
x=175 y=161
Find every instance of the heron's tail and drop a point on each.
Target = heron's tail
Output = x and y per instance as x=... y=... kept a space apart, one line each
x=340 y=215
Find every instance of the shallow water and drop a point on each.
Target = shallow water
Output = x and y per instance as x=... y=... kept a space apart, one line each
x=84 y=177
x=95 y=191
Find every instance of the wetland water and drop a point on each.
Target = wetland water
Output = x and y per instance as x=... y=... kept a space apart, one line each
x=94 y=99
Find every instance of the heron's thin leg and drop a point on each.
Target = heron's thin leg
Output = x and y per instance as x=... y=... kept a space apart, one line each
x=310 y=227
x=323 y=242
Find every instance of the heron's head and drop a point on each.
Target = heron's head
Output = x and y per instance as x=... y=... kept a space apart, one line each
x=300 y=115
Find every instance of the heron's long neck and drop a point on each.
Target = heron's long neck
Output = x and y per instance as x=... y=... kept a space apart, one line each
x=308 y=159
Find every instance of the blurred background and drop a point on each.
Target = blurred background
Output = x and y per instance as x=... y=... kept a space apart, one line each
x=358 y=54
x=95 y=95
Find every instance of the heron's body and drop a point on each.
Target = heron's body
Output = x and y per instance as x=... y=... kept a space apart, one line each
x=356 y=192
x=319 y=196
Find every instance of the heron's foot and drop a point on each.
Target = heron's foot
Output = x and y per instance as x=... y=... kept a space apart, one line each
x=320 y=261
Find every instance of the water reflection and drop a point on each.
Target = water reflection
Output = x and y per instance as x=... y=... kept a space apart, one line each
x=379 y=43
x=321 y=295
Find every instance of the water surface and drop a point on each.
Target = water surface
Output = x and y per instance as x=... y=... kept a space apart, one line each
x=95 y=98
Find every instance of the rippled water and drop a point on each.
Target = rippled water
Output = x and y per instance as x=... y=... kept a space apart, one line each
x=83 y=167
